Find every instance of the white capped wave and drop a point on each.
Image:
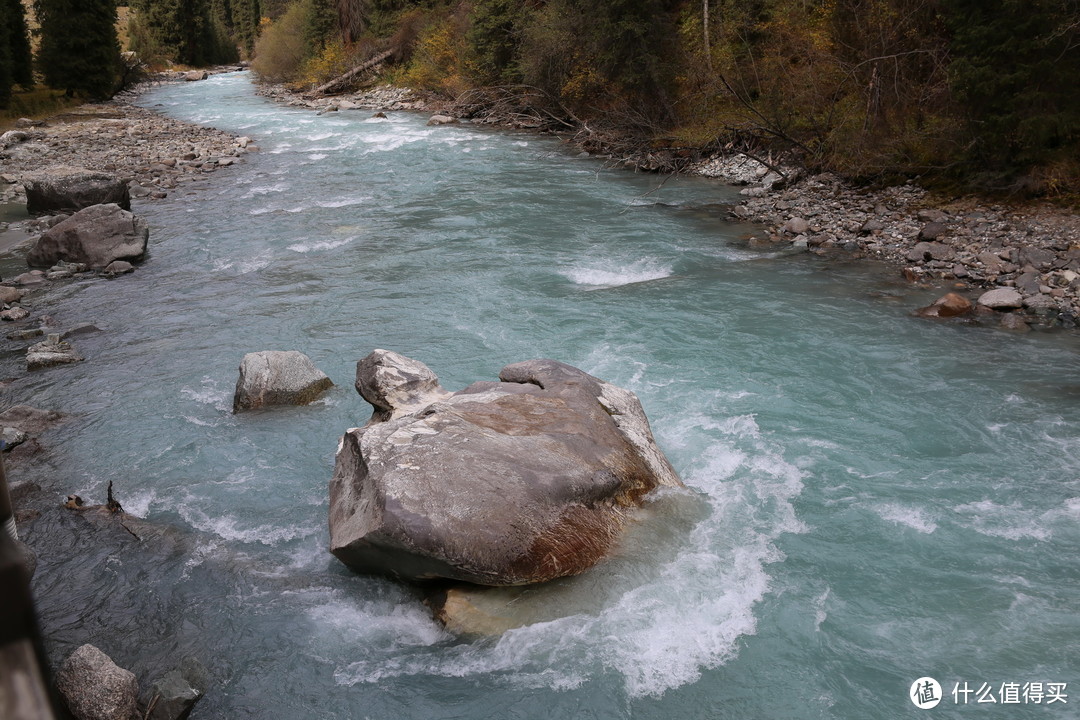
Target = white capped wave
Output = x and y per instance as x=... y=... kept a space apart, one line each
x=244 y=265
x=343 y=202
x=209 y=393
x=614 y=274
x=230 y=528
x=1011 y=521
x=911 y=517
x=387 y=141
x=392 y=622
x=265 y=190
x=317 y=156
x=316 y=245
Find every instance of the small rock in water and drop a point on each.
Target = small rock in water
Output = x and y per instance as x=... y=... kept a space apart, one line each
x=53 y=351
x=10 y=294
x=27 y=334
x=278 y=377
x=949 y=305
x=14 y=314
x=119 y=267
x=442 y=120
x=174 y=694
x=81 y=329
x=1012 y=321
x=12 y=436
x=95 y=688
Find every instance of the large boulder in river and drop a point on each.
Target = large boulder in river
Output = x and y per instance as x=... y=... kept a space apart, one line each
x=73 y=188
x=95 y=688
x=278 y=377
x=502 y=483
x=95 y=236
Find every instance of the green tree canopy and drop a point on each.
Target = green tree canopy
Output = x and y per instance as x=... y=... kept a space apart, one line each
x=79 y=51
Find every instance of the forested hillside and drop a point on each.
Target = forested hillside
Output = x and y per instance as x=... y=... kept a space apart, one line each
x=969 y=94
x=976 y=93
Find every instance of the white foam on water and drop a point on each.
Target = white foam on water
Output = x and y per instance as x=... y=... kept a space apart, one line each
x=686 y=616
x=230 y=528
x=245 y=265
x=264 y=190
x=1011 y=521
x=820 y=615
x=138 y=503
x=907 y=516
x=608 y=274
x=209 y=393
x=390 y=623
x=322 y=136
x=387 y=141
x=316 y=245
x=343 y=202
x=317 y=156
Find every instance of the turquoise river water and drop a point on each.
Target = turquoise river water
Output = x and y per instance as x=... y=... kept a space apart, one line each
x=881 y=498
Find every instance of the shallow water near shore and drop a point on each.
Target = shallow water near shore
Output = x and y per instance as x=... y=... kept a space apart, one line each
x=879 y=498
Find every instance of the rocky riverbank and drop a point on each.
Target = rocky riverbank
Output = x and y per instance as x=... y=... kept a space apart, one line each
x=154 y=154
x=964 y=245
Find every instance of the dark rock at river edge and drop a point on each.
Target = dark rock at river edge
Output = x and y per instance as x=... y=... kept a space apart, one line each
x=73 y=188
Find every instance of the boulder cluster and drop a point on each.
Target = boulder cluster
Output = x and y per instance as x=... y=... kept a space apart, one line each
x=93 y=687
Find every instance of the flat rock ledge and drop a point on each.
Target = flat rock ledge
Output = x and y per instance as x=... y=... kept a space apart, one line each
x=278 y=377
x=503 y=483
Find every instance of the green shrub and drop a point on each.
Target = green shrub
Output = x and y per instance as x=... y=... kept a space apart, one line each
x=281 y=49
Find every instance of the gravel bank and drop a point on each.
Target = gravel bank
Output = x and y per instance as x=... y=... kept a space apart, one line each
x=963 y=245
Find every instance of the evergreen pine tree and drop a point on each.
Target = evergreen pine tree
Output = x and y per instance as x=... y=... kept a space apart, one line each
x=190 y=32
x=18 y=40
x=79 y=51
x=1014 y=69
x=5 y=59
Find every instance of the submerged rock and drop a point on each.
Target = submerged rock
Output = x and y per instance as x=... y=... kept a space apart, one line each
x=174 y=694
x=278 y=377
x=948 y=305
x=30 y=420
x=95 y=688
x=502 y=483
x=442 y=120
x=73 y=188
x=95 y=237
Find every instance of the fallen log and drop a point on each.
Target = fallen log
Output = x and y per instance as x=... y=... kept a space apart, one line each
x=342 y=80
